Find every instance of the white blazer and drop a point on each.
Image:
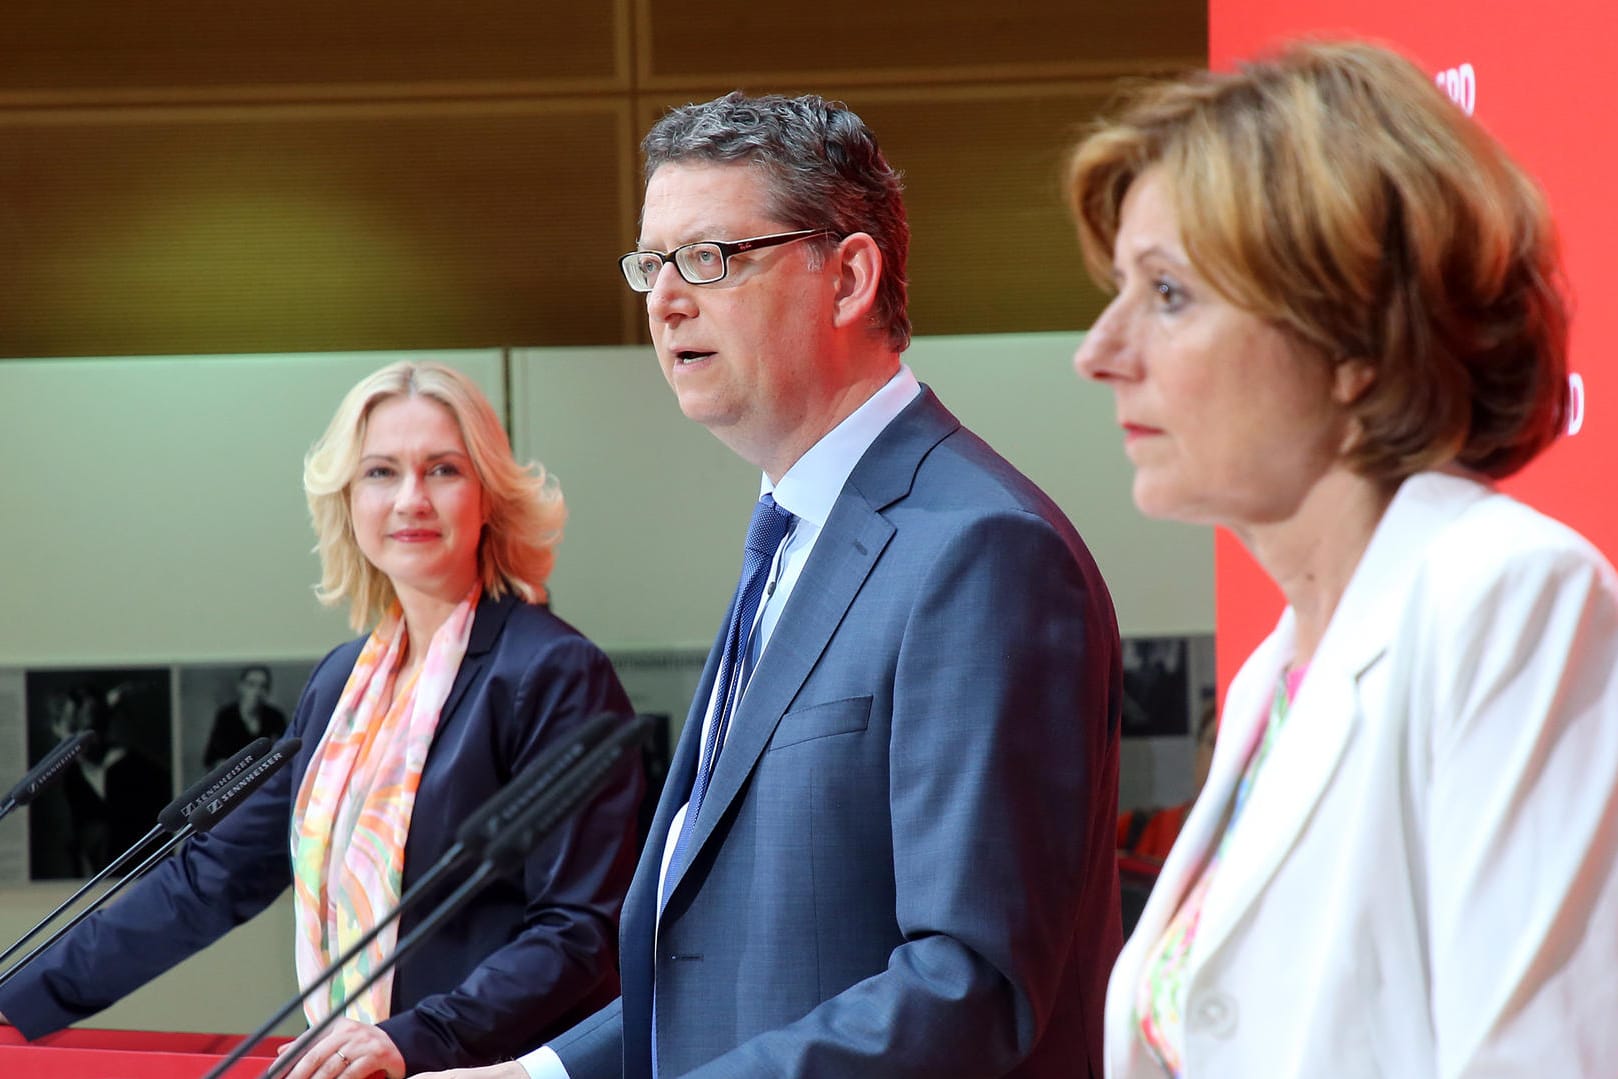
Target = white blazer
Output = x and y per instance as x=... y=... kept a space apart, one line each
x=1423 y=880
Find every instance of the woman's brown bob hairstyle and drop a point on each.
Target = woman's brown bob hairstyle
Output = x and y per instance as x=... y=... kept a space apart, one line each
x=1335 y=192
x=525 y=508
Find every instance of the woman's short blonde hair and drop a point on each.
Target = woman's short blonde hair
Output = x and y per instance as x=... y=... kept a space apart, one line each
x=1334 y=191
x=524 y=504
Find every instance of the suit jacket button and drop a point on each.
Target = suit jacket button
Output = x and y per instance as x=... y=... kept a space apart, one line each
x=1214 y=1013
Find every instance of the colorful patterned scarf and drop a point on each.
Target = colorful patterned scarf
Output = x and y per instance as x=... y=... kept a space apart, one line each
x=352 y=814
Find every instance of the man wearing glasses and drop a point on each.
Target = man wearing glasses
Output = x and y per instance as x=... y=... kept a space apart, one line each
x=885 y=847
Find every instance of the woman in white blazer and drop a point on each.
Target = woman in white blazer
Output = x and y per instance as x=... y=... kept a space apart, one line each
x=1336 y=322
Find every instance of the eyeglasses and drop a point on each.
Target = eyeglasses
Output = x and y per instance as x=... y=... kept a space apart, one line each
x=704 y=262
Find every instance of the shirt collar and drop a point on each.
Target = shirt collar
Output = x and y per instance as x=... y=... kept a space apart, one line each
x=811 y=486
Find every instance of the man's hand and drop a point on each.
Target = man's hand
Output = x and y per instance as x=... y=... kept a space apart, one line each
x=509 y=1070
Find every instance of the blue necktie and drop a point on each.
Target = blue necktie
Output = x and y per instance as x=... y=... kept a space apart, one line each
x=764 y=535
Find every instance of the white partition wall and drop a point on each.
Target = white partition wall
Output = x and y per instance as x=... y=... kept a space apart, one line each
x=155 y=517
x=658 y=506
x=154 y=505
x=1019 y=392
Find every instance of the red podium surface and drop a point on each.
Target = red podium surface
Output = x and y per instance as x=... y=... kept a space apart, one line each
x=127 y=1054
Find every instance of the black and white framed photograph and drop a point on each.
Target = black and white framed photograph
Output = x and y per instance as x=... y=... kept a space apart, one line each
x=1170 y=686
x=225 y=706
x=110 y=797
x=1157 y=689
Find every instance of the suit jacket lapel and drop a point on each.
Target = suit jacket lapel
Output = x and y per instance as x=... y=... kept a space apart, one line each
x=1240 y=726
x=819 y=600
x=1323 y=718
x=853 y=539
x=487 y=622
x=638 y=923
x=1294 y=776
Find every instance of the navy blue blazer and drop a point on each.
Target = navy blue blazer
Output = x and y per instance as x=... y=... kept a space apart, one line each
x=529 y=955
x=905 y=863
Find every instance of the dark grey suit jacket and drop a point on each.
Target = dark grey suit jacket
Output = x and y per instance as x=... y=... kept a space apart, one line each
x=905 y=864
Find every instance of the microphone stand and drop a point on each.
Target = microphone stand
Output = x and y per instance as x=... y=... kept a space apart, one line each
x=112 y=867
x=101 y=900
x=50 y=768
x=211 y=808
x=451 y=906
x=186 y=804
x=503 y=831
x=451 y=859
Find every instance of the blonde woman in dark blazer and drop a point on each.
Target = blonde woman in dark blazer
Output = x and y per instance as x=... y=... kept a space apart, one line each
x=432 y=535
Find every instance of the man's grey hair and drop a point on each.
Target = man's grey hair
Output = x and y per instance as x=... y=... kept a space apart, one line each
x=824 y=170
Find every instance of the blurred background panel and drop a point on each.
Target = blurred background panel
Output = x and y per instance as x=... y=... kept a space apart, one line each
x=294 y=228
x=191 y=178
x=96 y=51
x=918 y=41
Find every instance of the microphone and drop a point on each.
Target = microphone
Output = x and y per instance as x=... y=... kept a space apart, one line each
x=210 y=808
x=216 y=805
x=47 y=771
x=514 y=799
x=171 y=819
x=535 y=818
x=178 y=813
x=502 y=831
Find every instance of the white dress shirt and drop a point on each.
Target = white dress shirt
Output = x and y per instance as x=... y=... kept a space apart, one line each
x=808 y=491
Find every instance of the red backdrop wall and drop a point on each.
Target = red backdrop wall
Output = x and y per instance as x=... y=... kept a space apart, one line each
x=1542 y=78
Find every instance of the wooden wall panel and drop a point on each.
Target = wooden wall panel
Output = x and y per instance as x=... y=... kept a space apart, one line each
x=287 y=229
x=92 y=51
x=992 y=248
x=185 y=176
x=745 y=43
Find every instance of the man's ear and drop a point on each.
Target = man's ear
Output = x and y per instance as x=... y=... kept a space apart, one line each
x=859 y=272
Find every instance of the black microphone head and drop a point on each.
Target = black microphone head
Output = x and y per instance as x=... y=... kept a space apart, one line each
x=566 y=796
x=215 y=808
x=496 y=814
x=178 y=813
x=50 y=767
